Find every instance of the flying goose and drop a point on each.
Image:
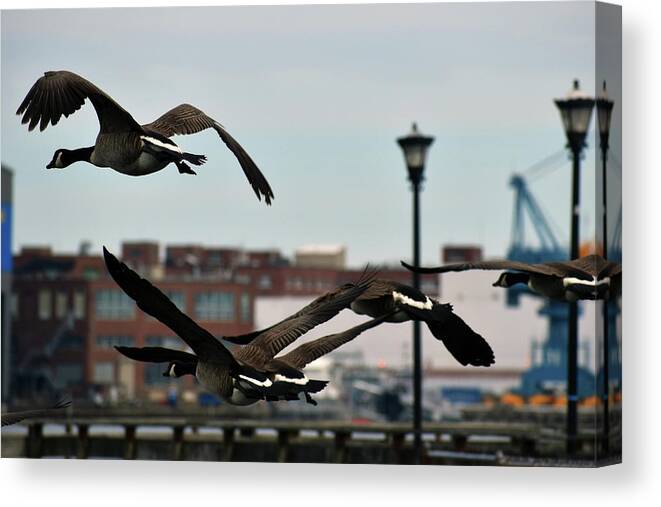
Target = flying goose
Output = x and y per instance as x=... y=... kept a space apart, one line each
x=122 y=144
x=290 y=364
x=14 y=417
x=243 y=377
x=407 y=303
x=590 y=277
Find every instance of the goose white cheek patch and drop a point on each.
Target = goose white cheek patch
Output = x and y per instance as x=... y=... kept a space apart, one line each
x=401 y=298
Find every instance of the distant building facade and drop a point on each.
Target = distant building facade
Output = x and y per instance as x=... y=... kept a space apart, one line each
x=461 y=253
x=321 y=256
x=69 y=314
x=7 y=298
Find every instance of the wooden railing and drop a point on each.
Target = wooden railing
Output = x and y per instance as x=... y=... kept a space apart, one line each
x=285 y=441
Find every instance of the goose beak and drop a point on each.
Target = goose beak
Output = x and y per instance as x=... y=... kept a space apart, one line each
x=50 y=165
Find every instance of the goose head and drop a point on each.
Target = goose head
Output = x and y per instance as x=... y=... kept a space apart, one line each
x=176 y=369
x=507 y=279
x=61 y=159
x=64 y=158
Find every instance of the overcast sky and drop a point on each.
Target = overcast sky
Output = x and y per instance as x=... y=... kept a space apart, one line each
x=317 y=95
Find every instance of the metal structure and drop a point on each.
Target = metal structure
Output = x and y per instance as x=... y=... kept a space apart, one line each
x=550 y=373
x=575 y=111
x=604 y=112
x=6 y=300
x=415 y=146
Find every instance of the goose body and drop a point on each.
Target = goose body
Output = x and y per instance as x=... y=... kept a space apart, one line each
x=590 y=277
x=253 y=372
x=401 y=303
x=122 y=144
x=285 y=379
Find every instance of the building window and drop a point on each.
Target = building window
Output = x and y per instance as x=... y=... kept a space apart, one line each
x=169 y=342
x=110 y=341
x=245 y=307
x=214 y=306
x=104 y=373
x=265 y=282
x=214 y=259
x=44 y=304
x=79 y=305
x=90 y=273
x=113 y=304
x=67 y=374
x=60 y=304
x=154 y=374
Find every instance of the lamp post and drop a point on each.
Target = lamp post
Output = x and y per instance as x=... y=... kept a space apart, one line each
x=604 y=111
x=575 y=111
x=415 y=145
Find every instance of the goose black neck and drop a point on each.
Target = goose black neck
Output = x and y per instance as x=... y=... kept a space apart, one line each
x=81 y=154
x=179 y=369
x=514 y=278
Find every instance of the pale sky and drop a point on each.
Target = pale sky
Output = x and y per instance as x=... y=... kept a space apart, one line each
x=317 y=95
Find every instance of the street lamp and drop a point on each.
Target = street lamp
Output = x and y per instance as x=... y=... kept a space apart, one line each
x=415 y=146
x=575 y=111
x=604 y=111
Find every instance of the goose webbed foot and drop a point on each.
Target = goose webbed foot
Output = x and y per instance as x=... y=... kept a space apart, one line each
x=184 y=168
x=308 y=399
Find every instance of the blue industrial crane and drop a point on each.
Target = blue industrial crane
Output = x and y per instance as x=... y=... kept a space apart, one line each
x=550 y=372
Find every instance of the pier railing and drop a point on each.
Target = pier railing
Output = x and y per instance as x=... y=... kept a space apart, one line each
x=201 y=438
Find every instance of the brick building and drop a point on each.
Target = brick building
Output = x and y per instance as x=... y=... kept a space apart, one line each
x=68 y=314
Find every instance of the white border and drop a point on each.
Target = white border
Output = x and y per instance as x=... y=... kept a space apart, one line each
x=636 y=482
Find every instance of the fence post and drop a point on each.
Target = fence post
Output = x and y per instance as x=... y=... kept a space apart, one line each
x=178 y=448
x=35 y=440
x=341 y=438
x=129 y=442
x=83 y=441
x=228 y=444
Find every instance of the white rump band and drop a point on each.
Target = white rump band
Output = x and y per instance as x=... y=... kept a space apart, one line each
x=161 y=144
x=401 y=298
x=266 y=383
x=592 y=283
x=298 y=381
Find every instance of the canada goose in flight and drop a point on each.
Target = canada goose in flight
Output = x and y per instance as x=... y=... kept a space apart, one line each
x=122 y=144
x=14 y=417
x=407 y=303
x=251 y=373
x=322 y=301
x=290 y=365
x=590 y=277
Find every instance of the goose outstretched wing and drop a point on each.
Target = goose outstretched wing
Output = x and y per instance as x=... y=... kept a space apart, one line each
x=559 y=269
x=264 y=348
x=14 y=417
x=365 y=279
x=156 y=354
x=186 y=119
x=61 y=92
x=597 y=266
x=153 y=302
x=304 y=354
